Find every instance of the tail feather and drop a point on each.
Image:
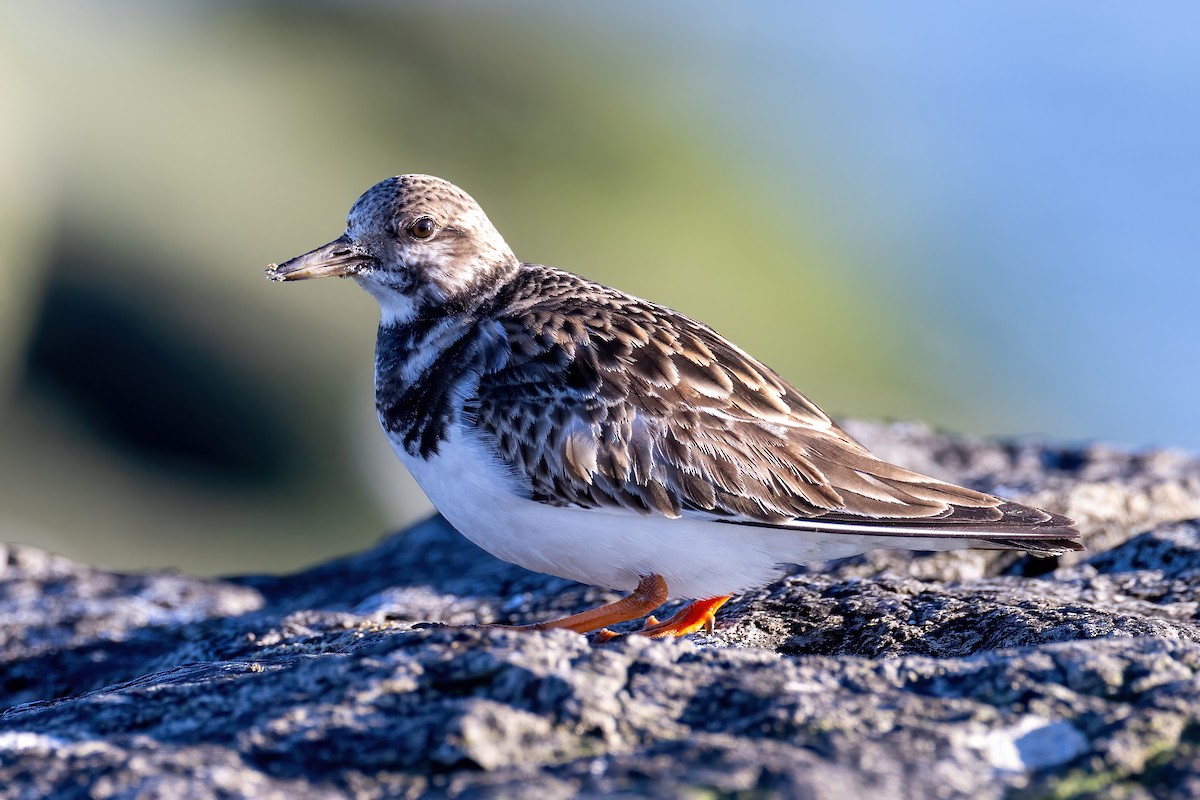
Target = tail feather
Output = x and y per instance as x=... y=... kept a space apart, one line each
x=922 y=507
x=1019 y=527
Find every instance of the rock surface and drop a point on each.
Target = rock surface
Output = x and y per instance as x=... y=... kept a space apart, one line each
x=971 y=674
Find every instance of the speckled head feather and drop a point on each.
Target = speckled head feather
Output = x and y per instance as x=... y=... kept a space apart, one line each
x=463 y=255
x=418 y=244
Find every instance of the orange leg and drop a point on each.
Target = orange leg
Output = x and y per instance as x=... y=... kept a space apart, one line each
x=688 y=619
x=651 y=592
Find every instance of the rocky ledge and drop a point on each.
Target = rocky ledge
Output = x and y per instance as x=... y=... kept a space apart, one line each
x=977 y=674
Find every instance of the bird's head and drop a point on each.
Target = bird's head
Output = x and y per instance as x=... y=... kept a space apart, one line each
x=414 y=242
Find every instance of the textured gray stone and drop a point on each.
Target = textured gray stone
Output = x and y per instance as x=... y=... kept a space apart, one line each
x=978 y=674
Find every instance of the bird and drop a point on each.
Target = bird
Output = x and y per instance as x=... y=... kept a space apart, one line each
x=576 y=430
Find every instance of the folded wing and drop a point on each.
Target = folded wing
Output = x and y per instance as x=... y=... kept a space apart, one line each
x=610 y=401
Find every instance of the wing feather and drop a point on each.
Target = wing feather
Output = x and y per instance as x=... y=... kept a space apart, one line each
x=611 y=401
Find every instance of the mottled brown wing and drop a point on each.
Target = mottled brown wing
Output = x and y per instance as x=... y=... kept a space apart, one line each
x=612 y=401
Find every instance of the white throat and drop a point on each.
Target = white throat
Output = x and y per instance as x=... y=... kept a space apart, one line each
x=395 y=306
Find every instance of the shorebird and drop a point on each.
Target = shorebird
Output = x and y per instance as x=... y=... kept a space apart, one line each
x=576 y=430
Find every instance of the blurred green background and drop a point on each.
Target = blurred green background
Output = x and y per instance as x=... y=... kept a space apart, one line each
x=981 y=217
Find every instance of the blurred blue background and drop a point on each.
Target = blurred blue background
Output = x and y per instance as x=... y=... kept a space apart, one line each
x=987 y=217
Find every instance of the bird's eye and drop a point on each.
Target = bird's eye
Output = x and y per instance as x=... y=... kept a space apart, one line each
x=422 y=228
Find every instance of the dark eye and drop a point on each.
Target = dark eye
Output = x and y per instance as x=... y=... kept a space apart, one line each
x=422 y=228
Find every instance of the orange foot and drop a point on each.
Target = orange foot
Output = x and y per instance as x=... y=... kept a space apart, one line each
x=651 y=592
x=689 y=619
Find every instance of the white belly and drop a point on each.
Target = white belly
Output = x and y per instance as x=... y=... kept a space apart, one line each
x=610 y=548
